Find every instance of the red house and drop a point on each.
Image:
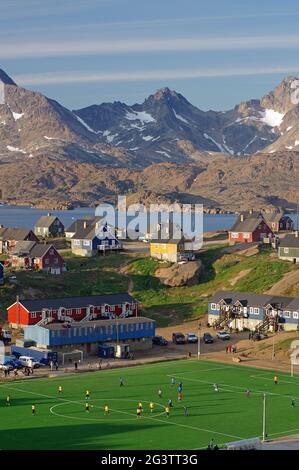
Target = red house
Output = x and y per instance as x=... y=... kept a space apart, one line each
x=41 y=256
x=250 y=227
x=93 y=307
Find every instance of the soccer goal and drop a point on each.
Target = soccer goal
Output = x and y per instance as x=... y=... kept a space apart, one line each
x=72 y=355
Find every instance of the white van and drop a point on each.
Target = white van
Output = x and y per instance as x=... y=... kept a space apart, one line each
x=28 y=361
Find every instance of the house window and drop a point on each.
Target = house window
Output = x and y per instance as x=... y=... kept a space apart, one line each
x=46 y=261
x=213 y=306
x=285 y=250
x=287 y=314
x=86 y=243
x=246 y=235
x=69 y=312
x=256 y=311
x=251 y=310
x=78 y=311
x=51 y=252
x=296 y=315
x=234 y=235
x=33 y=315
x=76 y=242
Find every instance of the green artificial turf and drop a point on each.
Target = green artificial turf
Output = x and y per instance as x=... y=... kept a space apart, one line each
x=61 y=422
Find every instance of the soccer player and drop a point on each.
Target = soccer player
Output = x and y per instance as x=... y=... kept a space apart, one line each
x=170 y=403
x=8 y=400
x=138 y=412
x=152 y=406
x=140 y=405
x=180 y=388
x=87 y=394
x=180 y=396
x=216 y=388
x=167 y=411
x=33 y=409
x=87 y=407
x=293 y=402
x=60 y=389
x=160 y=393
x=275 y=379
x=106 y=410
x=247 y=393
x=185 y=411
x=173 y=381
x=121 y=382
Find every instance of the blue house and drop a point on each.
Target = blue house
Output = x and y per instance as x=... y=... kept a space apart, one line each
x=89 y=335
x=259 y=312
x=1 y=274
x=90 y=240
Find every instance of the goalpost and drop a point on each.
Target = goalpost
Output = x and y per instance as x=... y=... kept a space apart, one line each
x=70 y=353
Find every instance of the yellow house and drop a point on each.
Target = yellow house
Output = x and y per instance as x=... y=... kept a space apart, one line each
x=166 y=250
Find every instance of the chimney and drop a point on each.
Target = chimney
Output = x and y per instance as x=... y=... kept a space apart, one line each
x=85 y=224
x=251 y=211
x=242 y=217
x=49 y=214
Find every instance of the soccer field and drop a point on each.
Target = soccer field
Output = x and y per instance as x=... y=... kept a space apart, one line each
x=61 y=421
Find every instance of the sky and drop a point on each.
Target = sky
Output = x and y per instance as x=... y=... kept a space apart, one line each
x=214 y=52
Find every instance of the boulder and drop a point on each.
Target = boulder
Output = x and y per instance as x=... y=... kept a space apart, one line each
x=178 y=275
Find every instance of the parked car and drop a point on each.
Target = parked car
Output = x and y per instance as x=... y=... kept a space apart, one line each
x=191 y=338
x=6 y=365
x=28 y=361
x=14 y=362
x=208 y=338
x=224 y=335
x=178 y=338
x=160 y=341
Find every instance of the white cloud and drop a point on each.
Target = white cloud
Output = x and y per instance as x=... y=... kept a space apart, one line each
x=53 y=78
x=10 y=50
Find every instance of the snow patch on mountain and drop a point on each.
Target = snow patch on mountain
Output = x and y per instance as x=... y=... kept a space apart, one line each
x=15 y=149
x=272 y=118
x=141 y=116
x=178 y=116
x=208 y=137
x=17 y=116
x=85 y=125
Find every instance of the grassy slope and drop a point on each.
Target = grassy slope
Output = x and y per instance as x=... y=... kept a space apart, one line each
x=84 y=277
x=167 y=305
x=170 y=305
x=224 y=416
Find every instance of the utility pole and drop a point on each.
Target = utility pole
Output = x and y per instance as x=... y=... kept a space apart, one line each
x=198 y=343
x=264 y=418
x=273 y=344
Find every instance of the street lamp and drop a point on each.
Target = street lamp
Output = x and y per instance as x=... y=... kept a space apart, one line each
x=264 y=418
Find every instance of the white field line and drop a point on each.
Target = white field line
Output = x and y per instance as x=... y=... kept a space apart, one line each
x=263 y=377
x=221 y=387
x=164 y=421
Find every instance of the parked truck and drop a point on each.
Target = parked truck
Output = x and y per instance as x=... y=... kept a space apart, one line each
x=40 y=355
x=5 y=335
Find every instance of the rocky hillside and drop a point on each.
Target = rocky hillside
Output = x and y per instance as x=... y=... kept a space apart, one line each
x=164 y=149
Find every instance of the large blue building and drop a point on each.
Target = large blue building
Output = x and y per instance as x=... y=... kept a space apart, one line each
x=89 y=335
x=253 y=311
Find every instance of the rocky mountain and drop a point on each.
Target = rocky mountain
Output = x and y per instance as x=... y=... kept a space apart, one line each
x=242 y=158
x=165 y=126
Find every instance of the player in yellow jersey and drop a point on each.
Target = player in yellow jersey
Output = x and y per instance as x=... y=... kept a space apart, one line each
x=167 y=410
x=33 y=409
x=138 y=412
x=106 y=410
x=60 y=389
x=152 y=406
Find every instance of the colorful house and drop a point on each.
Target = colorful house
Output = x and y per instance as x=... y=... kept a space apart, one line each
x=257 y=312
x=79 y=224
x=250 y=227
x=93 y=307
x=10 y=236
x=168 y=243
x=49 y=226
x=1 y=274
x=288 y=248
x=37 y=256
x=278 y=221
x=91 y=240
